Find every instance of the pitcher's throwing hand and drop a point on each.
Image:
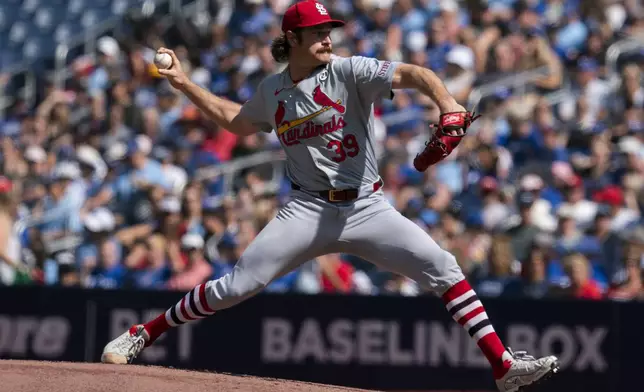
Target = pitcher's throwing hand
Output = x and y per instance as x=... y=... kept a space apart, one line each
x=174 y=73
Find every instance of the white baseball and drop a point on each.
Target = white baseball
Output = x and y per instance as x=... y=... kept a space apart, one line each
x=163 y=60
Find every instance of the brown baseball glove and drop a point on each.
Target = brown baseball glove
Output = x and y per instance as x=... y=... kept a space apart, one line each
x=447 y=135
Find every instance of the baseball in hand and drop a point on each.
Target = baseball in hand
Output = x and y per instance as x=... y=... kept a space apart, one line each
x=163 y=60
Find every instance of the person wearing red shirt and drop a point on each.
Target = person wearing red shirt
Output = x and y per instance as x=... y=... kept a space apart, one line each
x=582 y=285
x=336 y=275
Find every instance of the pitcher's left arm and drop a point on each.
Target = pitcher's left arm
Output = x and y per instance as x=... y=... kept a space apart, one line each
x=454 y=120
x=427 y=82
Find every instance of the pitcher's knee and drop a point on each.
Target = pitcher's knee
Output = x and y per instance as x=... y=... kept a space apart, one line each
x=233 y=288
x=441 y=272
x=452 y=273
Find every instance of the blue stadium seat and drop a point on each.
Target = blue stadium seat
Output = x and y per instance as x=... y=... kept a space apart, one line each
x=18 y=33
x=31 y=29
x=75 y=8
x=46 y=19
x=29 y=7
x=119 y=7
x=92 y=17
x=32 y=49
x=65 y=31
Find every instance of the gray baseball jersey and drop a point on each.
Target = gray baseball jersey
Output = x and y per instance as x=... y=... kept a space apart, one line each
x=325 y=122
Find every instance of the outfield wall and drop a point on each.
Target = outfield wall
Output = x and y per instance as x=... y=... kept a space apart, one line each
x=385 y=343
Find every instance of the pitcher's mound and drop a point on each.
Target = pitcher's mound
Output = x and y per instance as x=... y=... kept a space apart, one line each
x=36 y=376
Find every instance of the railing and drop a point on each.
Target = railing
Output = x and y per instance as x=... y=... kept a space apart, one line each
x=521 y=80
x=230 y=169
x=613 y=54
x=517 y=81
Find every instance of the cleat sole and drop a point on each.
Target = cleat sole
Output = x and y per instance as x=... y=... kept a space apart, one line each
x=114 y=359
x=537 y=385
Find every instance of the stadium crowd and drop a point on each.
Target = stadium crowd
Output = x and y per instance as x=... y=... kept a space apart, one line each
x=102 y=181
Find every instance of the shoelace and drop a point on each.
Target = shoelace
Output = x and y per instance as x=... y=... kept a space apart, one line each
x=522 y=360
x=521 y=355
x=133 y=344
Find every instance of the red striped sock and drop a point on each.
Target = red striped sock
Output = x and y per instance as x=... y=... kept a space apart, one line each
x=466 y=309
x=193 y=306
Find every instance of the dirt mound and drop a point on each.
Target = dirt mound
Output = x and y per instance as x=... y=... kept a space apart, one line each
x=34 y=376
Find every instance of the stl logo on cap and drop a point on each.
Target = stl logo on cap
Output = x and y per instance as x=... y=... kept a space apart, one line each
x=321 y=9
x=307 y=14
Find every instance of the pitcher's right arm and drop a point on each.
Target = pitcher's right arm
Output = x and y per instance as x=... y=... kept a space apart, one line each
x=226 y=113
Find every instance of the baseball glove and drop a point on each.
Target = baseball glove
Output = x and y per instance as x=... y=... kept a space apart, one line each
x=447 y=135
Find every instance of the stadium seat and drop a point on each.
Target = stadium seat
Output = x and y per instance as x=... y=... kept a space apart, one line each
x=119 y=7
x=18 y=33
x=29 y=7
x=92 y=17
x=32 y=49
x=65 y=31
x=75 y=8
x=46 y=19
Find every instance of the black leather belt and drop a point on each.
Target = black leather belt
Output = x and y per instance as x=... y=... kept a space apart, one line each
x=340 y=195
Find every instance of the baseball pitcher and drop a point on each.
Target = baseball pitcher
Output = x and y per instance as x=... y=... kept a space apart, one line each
x=322 y=109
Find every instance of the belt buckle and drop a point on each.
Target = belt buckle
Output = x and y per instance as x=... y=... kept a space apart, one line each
x=332 y=194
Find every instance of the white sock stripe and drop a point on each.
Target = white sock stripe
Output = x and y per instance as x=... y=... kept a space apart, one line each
x=459 y=299
x=483 y=332
x=475 y=320
x=188 y=307
x=198 y=303
x=177 y=310
x=168 y=319
x=467 y=309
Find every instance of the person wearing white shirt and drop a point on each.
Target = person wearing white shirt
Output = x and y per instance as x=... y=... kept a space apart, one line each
x=177 y=176
x=582 y=210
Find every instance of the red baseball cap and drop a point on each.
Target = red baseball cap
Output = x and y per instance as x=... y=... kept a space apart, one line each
x=307 y=14
x=611 y=195
x=489 y=184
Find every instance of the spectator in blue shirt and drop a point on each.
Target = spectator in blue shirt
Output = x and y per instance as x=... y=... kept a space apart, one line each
x=61 y=208
x=110 y=273
x=169 y=108
x=153 y=271
x=252 y=18
x=108 y=56
x=99 y=227
x=284 y=284
x=138 y=177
